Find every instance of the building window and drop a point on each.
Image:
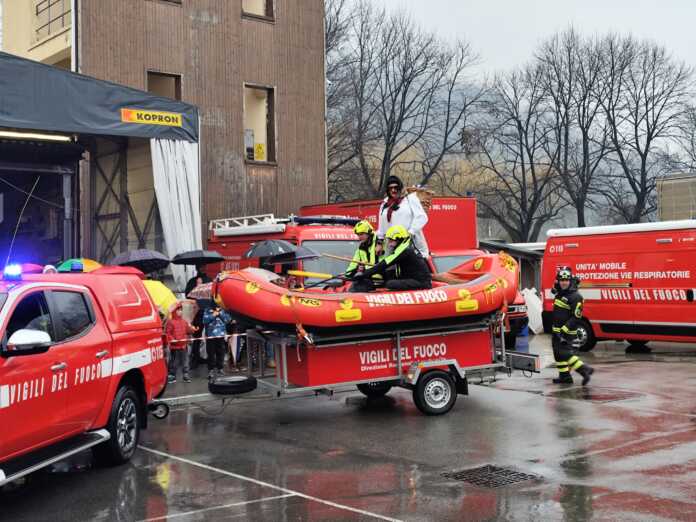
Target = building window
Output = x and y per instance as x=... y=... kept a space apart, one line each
x=258 y=9
x=167 y=85
x=259 y=124
x=50 y=17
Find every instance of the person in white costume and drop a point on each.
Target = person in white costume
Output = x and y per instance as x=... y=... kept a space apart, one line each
x=407 y=211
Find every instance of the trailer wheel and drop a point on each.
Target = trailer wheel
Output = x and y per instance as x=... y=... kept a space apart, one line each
x=374 y=390
x=586 y=337
x=435 y=393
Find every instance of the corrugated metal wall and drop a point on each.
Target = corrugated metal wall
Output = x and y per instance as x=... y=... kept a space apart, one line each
x=216 y=51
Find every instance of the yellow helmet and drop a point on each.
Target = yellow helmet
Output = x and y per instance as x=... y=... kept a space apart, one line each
x=397 y=232
x=363 y=227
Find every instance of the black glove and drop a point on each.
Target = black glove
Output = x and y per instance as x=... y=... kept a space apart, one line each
x=358 y=276
x=562 y=338
x=379 y=267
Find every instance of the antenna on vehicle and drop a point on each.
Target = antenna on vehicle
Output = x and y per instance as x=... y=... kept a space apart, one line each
x=19 y=219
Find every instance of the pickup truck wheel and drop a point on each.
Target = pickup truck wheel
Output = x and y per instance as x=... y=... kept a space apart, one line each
x=435 y=393
x=124 y=427
x=374 y=390
x=586 y=337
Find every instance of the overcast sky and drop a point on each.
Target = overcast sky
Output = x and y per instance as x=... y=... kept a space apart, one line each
x=506 y=32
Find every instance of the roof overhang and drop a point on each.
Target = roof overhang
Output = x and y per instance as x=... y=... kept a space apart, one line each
x=40 y=97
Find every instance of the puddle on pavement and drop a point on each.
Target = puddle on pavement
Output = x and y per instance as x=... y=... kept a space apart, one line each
x=593 y=394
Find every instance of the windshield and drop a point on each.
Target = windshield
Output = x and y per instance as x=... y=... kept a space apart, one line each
x=328 y=265
x=447 y=263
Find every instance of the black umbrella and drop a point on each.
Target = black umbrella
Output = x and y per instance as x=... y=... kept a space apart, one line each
x=144 y=260
x=197 y=257
x=270 y=248
x=299 y=253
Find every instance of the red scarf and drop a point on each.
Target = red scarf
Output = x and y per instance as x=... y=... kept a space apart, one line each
x=391 y=203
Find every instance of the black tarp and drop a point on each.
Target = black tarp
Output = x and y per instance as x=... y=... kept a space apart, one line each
x=40 y=97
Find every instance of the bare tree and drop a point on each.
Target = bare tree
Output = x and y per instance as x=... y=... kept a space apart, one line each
x=643 y=94
x=407 y=102
x=571 y=73
x=516 y=183
x=339 y=16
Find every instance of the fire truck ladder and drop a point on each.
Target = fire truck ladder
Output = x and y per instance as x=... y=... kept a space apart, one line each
x=240 y=226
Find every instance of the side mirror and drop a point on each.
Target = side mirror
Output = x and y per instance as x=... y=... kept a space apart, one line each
x=27 y=342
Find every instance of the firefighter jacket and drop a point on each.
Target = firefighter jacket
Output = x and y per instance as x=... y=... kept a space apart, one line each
x=365 y=255
x=403 y=263
x=567 y=311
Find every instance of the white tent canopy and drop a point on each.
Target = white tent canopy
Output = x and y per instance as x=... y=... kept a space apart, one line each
x=175 y=168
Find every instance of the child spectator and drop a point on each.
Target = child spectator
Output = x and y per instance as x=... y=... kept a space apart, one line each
x=177 y=331
x=215 y=320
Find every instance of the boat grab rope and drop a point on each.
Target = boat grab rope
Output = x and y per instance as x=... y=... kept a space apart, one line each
x=486 y=292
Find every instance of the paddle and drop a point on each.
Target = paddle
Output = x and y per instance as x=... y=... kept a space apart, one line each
x=303 y=273
x=349 y=259
x=339 y=276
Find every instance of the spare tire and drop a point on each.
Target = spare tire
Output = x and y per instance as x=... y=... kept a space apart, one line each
x=232 y=385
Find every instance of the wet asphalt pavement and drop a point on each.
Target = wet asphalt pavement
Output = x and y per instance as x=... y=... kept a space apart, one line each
x=623 y=448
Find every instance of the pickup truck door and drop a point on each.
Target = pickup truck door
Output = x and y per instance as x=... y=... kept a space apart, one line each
x=82 y=334
x=32 y=397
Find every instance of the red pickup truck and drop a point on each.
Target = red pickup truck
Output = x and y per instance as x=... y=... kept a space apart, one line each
x=81 y=362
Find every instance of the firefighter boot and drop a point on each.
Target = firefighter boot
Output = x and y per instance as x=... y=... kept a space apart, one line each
x=586 y=372
x=563 y=378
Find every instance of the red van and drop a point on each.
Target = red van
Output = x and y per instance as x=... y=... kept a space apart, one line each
x=638 y=281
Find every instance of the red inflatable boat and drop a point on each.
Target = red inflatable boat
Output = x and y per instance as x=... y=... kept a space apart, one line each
x=476 y=288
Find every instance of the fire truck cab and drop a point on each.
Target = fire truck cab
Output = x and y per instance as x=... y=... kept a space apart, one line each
x=638 y=281
x=81 y=362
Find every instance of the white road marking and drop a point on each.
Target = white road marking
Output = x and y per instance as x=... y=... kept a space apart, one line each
x=225 y=506
x=268 y=485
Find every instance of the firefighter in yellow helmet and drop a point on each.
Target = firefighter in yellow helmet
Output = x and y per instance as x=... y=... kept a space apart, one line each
x=365 y=257
x=567 y=312
x=402 y=267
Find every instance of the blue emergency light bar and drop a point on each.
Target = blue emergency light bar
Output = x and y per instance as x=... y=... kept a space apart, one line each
x=12 y=272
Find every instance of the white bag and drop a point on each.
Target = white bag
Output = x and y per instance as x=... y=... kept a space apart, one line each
x=534 y=308
x=202 y=351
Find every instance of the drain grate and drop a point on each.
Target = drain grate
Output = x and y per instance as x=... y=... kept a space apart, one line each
x=490 y=476
x=593 y=394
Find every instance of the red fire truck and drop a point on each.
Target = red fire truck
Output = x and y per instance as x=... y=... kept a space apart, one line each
x=451 y=233
x=638 y=280
x=452 y=236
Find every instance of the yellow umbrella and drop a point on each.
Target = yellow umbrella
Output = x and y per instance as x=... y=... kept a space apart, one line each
x=162 y=296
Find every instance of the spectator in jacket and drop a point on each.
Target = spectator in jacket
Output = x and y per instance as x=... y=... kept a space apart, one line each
x=192 y=283
x=216 y=320
x=407 y=211
x=177 y=331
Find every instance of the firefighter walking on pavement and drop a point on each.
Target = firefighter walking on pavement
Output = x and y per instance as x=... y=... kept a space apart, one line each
x=567 y=312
